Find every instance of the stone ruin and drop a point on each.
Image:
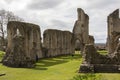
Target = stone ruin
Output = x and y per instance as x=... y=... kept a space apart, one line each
x=24 y=41
x=81 y=31
x=113 y=31
x=57 y=42
x=25 y=47
x=24 y=44
x=95 y=62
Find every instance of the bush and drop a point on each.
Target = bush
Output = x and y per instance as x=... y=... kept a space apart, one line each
x=89 y=76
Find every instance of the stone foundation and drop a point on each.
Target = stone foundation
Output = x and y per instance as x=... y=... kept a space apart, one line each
x=100 y=68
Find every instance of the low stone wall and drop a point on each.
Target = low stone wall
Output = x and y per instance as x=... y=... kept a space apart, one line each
x=95 y=62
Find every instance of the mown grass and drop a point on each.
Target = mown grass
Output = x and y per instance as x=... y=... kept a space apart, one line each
x=1 y=55
x=103 y=52
x=59 y=68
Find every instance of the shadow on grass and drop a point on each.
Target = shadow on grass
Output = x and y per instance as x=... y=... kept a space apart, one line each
x=72 y=57
x=43 y=64
x=39 y=68
x=51 y=63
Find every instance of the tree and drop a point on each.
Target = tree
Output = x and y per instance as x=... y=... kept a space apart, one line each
x=5 y=17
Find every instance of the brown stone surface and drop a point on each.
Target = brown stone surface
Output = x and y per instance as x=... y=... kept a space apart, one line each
x=24 y=44
x=95 y=62
x=81 y=30
x=113 y=31
x=57 y=42
x=91 y=40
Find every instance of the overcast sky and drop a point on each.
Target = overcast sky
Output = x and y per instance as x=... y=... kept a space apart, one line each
x=62 y=14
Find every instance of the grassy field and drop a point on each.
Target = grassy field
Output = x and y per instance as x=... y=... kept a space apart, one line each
x=60 y=68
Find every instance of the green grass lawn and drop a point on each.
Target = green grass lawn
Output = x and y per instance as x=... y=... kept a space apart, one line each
x=103 y=52
x=60 y=68
x=1 y=55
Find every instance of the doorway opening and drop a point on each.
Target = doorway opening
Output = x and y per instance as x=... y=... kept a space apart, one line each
x=77 y=47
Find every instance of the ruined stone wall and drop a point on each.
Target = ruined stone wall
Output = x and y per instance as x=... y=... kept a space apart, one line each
x=95 y=62
x=57 y=42
x=113 y=31
x=24 y=44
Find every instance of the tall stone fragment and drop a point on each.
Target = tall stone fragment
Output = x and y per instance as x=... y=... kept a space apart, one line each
x=57 y=42
x=81 y=30
x=113 y=31
x=24 y=44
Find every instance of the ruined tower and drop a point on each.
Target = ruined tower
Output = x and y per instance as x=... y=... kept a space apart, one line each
x=81 y=30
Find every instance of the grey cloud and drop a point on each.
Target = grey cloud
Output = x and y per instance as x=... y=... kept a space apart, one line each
x=100 y=39
x=101 y=4
x=9 y=1
x=63 y=15
x=58 y=24
x=44 y=4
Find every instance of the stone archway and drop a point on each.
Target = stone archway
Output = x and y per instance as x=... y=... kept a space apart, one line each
x=77 y=44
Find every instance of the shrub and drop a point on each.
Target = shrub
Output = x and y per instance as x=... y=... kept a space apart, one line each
x=88 y=76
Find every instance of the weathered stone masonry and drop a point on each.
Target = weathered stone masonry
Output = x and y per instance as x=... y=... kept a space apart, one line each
x=95 y=62
x=81 y=30
x=24 y=44
x=113 y=31
x=57 y=42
